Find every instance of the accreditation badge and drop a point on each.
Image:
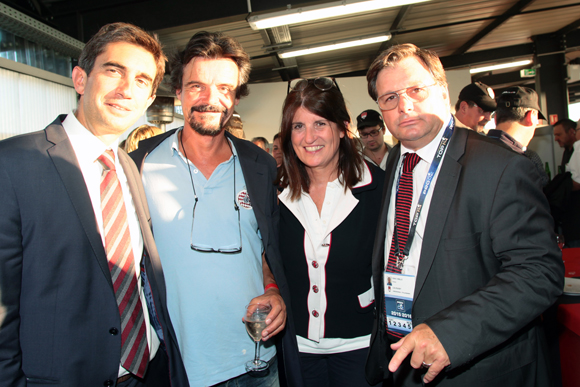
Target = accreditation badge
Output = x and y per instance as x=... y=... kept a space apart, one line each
x=399 y=290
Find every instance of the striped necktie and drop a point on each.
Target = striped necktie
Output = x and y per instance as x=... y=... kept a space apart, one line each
x=402 y=208
x=134 y=348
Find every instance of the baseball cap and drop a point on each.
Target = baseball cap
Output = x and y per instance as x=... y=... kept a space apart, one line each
x=519 y=96
x=369 y=118
x=479 y=93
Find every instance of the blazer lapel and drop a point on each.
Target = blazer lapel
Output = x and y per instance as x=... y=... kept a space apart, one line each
x=65 y=162
x=255 y=176
x=142 y=209
x=379 y=248
x=443 y=194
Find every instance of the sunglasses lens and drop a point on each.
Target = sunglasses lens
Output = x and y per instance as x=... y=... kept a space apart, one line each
x=323 y=83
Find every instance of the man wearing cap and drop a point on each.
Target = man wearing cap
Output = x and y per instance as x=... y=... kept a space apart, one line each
x=371 y=130
x=474 y=106
x=516 y=117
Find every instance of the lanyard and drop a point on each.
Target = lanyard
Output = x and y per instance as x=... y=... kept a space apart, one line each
x=402 y=256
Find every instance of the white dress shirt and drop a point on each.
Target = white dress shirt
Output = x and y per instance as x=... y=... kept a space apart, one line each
x=87 y=149
x=427 y=154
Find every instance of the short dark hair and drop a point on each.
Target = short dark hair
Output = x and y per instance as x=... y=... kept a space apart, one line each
x=458 y=104
x=396 y=53
x=124 y=33
x=504 y=114
x=330 y=105
x=567 y=124
x=212 y=45
x=277 y=135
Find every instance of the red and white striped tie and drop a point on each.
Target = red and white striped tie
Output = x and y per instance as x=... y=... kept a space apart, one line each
x=134 y=348
x=402 y=208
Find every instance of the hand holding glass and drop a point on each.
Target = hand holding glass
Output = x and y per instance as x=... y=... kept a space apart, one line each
x=255 y=320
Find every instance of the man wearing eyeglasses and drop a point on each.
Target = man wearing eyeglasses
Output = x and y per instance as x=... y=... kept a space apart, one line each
x=215 y=219
x=466 y=242
x=474 y=106
x=371 y=130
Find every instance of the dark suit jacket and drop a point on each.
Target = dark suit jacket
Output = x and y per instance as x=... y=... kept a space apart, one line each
x=57 y=306
x=489 y=267
x=259 y=170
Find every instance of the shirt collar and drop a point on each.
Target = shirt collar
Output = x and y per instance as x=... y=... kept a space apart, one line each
x=87 y=147
x=427 y=153
x=174 y=148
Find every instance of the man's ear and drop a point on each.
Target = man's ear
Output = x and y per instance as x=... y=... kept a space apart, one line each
x=531 y=118
x=463 y=106
x=79 y=78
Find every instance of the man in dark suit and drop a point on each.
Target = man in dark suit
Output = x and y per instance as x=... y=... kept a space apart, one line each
x=475 y=263
x=76 y=248
x=215 y=219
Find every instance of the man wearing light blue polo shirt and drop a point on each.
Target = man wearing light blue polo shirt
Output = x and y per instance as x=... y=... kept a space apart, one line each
x=215 y=218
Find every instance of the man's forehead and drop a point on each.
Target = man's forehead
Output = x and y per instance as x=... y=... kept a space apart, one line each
x=411 y=71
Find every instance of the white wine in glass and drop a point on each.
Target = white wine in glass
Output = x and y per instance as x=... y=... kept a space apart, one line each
x=255 y=319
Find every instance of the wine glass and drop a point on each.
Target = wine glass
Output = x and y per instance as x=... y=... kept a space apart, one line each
x=255 y=319
x=560 y=241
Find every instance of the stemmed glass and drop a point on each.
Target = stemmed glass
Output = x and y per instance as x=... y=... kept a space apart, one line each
x=560 y=241
x=255 y=319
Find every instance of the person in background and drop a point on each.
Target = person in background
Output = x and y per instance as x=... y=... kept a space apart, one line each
x=215 y=218
x=516 y=118
x=262 y=143
x=578 y=130
x=277 y=150
x=371 y=130
x=140 y=133
x=465 y=236
x=565 y=136
x=235 y=126
x=474 y=106
x=328 y=214
x=83 y=296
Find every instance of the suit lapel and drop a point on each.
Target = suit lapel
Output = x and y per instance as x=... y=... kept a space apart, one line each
x=379 y=249
x=443 y=194
x=140 y=200
x=65 y=162
x=255 y=176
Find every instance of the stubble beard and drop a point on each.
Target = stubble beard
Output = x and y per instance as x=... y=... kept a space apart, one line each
x=204 y=129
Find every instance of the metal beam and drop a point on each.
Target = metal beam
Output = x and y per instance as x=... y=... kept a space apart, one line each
x=397 y=24
x=569 y=28
x=514 y=10
x=484 y=56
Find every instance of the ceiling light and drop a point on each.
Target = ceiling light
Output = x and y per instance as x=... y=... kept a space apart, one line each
x=500 y=66
x=307 y=50
x=322 y=11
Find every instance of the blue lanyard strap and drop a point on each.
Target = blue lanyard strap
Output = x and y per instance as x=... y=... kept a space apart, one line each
x=401 y=257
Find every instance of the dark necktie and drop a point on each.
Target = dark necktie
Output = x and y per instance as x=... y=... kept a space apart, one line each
x=134 y=348
x=402 y=209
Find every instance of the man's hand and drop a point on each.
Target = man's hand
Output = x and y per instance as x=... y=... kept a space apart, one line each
x=276 y=320
x=425 y=348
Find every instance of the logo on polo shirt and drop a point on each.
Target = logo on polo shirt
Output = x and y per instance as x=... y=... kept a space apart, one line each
x=244 y=199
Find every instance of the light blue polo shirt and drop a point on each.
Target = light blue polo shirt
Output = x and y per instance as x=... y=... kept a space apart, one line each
x=206 y=292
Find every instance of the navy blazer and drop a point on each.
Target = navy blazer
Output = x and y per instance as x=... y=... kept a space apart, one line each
x=59 y=320
x=489 y=267
x=259 y=170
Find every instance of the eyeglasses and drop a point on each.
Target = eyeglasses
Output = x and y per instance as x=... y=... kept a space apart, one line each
x=390 y=101
x=236 y=207
x=321 y=83
x=372 y=133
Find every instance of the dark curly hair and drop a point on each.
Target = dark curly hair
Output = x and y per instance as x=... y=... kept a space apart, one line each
x=212 y=45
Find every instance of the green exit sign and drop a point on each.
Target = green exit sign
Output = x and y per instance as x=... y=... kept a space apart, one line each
x=527 y=73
